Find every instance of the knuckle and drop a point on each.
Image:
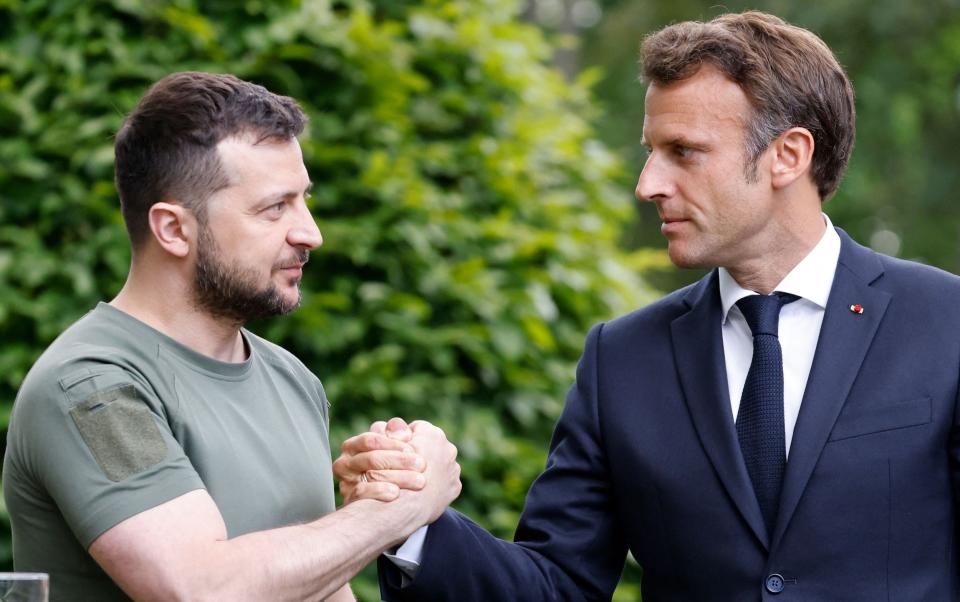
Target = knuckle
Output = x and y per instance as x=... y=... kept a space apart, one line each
x=423 y=427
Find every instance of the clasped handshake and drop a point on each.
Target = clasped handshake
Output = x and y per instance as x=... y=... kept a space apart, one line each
x=408 y=463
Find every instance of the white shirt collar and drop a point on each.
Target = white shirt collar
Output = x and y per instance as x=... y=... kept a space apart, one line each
x=811 y=279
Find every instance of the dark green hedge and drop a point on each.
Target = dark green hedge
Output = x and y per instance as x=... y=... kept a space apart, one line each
x=469 y=212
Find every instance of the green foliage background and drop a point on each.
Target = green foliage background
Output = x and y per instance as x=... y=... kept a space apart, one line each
x=470 y=213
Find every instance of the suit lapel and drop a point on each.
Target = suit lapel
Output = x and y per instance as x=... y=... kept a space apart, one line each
x=845 y=337
x=698 y=352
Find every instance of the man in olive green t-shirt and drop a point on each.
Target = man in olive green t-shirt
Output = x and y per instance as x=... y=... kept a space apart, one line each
x=117 y=418
x=159 y=451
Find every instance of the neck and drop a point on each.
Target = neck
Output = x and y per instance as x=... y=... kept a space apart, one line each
x=163 y=302
x=765 y=270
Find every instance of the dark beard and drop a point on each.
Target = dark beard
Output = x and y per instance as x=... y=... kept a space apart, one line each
x=230 y=291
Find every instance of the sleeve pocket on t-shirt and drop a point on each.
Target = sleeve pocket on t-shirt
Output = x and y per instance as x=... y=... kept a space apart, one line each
x=120 y=431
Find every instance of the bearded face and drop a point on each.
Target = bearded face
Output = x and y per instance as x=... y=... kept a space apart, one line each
x=236 y=292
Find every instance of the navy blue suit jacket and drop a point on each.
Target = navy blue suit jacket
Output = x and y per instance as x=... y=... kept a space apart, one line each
x=645 y=458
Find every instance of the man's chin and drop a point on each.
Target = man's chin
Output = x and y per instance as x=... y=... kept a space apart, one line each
x=685 y=259
x=290 y=302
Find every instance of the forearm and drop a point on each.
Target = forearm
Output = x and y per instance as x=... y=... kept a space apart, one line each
x=311 y=561
x=180 y=551
x=344 y=594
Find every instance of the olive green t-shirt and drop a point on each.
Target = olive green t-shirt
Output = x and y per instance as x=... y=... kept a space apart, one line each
x=116 y=418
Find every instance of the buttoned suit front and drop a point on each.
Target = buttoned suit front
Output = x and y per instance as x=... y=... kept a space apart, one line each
x=645 y=458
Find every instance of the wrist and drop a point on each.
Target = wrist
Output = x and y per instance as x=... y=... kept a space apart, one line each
x=393 y=521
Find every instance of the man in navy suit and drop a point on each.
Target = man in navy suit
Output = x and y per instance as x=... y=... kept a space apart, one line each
x=811 y=455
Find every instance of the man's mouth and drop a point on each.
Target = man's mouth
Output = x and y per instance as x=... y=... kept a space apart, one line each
x=671 y=224
x=295 y=263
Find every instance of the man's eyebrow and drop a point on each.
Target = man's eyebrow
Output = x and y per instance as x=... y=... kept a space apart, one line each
x=686 y=142
x=676 y=140
x=281 y=196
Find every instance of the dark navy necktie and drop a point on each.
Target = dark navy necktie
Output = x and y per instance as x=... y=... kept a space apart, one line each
x=760 y=427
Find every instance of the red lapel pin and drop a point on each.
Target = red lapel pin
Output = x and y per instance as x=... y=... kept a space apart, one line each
x=856 y=308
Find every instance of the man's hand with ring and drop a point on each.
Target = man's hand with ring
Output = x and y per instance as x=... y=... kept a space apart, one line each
x=379 y=463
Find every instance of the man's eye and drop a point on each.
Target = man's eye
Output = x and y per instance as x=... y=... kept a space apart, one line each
x=275 y=209
x=682 y=151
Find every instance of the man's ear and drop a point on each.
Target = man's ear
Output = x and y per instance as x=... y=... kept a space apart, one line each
x=792 y=156
x=173 y=227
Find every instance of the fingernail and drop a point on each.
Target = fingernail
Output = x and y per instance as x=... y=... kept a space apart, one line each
x=418 y=463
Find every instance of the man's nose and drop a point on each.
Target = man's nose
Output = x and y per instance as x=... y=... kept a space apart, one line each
x=654 y=183
x=304 y=232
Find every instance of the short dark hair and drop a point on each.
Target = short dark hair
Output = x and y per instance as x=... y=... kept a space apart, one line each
x=790 y=76
x=166 y=148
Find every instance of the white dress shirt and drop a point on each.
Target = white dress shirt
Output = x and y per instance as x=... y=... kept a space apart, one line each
x=800 y=322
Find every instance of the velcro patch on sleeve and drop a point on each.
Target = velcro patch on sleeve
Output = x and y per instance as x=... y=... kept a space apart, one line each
x=120 y=431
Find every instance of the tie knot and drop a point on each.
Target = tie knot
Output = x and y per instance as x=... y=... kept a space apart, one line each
x=762 y=312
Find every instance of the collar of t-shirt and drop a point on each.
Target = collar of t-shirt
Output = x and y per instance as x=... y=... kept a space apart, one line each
x=799 y=331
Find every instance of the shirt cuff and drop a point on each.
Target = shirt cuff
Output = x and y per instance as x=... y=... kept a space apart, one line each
x=407 y=557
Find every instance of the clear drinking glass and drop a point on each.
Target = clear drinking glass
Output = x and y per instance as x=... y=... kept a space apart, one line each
x=24 y=587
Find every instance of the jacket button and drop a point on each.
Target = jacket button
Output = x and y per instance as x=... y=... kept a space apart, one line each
x=774 y=583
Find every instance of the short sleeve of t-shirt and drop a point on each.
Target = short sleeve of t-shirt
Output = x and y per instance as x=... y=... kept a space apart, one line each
x=97 y=439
